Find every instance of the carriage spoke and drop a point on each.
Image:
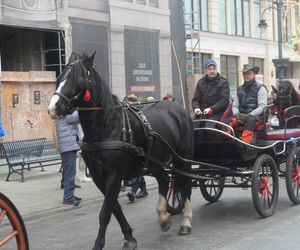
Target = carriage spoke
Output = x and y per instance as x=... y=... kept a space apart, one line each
x=8 y=237
x=2 y=215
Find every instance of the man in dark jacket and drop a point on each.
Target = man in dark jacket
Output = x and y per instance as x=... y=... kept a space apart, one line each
x=211 y=96
x=249 y=103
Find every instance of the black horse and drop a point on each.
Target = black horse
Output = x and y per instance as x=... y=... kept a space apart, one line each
x=120 y=143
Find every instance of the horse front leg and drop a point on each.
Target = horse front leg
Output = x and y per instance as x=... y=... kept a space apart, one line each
x=111 y=192
x=130 y=242
x=163 y=216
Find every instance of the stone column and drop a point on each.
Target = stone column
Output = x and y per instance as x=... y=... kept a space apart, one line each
x=165 y=61
x=1 y=17
x=117 y=61
x=213 y=16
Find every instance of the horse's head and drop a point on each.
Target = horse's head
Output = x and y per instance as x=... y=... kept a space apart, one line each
x=72 y=86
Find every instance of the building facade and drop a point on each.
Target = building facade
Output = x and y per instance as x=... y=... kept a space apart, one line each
x=229 y=32
x=132 y=40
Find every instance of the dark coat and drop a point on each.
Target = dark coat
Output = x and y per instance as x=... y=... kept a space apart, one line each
x=247 y=95
x=212 y=93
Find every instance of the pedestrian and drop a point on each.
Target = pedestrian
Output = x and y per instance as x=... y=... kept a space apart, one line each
x=2 y=132
x=168 y=97
x=137 y=182
x=249 y=103
x=68 y=142
x=211 y=97
x=151 y=99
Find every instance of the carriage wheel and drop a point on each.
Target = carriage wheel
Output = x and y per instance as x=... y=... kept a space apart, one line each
x=12 y=226
x=174 y=198
x=265 y=185
x=292 y=175
x=212 y=190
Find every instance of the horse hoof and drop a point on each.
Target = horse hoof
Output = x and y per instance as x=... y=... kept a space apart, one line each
x=165 y=226
x=184 y=230
x=129 y=245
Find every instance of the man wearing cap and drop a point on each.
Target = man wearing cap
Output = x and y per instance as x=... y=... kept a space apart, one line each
x=249 y=103
x=211 y=96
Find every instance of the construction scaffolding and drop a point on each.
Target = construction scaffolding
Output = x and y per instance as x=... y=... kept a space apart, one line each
x=193 y=53
x=53 y=53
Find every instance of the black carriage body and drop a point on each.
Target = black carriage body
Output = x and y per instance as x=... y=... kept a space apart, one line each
x=222 y=160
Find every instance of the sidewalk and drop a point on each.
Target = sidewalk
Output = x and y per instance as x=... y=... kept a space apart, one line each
x=41 y=193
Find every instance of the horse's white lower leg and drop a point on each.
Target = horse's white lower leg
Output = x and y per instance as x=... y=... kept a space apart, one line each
x=163 y=216
x=186 y=224
x=80 y=171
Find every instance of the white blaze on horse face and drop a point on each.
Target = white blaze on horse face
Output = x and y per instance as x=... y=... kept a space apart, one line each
x=54 y=100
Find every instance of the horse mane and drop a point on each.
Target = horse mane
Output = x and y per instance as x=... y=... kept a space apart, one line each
x=101 y=94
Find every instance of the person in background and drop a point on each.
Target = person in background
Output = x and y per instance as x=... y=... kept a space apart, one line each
x=2 y=132
x=168 y=97
x=138 y=182
x=67 y=132
x=151 y=99
x=211 y=96
x=249 y=103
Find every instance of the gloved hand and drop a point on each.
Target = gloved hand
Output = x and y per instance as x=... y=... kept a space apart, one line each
x=242 y=118
x=208 y=111
x=197 y=111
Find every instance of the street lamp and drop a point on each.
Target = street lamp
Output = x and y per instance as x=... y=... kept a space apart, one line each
x=280 y=63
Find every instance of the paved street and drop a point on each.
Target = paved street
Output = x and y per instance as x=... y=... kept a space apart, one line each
x=231 y=223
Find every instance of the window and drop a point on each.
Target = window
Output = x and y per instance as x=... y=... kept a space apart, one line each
x=260 y=63
x=257 y=62
x=195 y=62
x=196 y=14
x=256 y=18
x=229 y=70
x=153 y=3
x=222 y=16
x=141 y=2
x=239 y=17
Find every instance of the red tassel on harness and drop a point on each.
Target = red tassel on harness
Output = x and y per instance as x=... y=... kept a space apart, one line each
x=87 y=96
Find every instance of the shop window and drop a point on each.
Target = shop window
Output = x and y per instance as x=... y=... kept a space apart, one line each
x=229 y=70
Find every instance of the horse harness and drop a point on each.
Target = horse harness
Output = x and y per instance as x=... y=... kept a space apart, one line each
x=127 y=143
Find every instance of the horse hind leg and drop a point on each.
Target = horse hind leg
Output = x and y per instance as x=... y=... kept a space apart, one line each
x=185 y=184
x=163 y=216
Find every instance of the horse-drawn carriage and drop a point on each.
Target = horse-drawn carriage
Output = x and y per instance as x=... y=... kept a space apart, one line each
x=121 y=141
x=222 y=160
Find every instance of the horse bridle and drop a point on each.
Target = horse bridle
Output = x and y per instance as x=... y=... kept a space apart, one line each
x=69 y=101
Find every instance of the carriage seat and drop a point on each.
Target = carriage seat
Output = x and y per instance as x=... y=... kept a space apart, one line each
x=259 y=126
x=227 y=112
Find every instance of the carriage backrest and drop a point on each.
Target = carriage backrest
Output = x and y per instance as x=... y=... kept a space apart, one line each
x=292 y=116
x=227 y=112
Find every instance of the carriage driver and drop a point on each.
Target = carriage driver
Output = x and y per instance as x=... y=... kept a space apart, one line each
x=249 y=103
x=211 y=96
